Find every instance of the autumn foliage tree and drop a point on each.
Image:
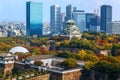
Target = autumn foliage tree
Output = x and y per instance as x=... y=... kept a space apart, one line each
x=115 y=50
x=69 y=63
x=81 y=54
x=38 y=63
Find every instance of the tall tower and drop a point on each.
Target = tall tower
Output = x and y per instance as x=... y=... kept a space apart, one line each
x=69 y=11
x=55 y=19
x=89 y=16
x=106 y=16
x=80 y=18
x=34 y=18
x=63 y=20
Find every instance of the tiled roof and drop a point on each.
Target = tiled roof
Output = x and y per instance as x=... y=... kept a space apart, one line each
x=5 y=54
x=40 y=57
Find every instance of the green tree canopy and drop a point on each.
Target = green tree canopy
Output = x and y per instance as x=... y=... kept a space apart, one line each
x=69 y=63
x=38 y=63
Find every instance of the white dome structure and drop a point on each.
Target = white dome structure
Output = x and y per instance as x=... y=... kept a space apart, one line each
x=18 y=49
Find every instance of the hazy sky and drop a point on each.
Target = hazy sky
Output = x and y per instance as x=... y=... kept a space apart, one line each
x=15 y=10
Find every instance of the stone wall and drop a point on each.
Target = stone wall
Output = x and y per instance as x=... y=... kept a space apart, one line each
x=94 y=75
x=72 y=76
x=8 y=67
x=55 y=76
x=43 y=77
x=75 y=75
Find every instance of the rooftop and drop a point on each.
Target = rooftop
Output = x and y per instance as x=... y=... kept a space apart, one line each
x=40 y=57
x=5 y=54
x=18 y=49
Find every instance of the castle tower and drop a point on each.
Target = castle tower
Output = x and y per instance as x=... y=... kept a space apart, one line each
x=71 y=30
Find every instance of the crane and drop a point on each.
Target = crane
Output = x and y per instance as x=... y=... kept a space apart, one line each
x=98 y=5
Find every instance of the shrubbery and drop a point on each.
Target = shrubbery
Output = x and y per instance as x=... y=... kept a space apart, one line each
x=116 y=50
x=112 y=69
x=38 y=63
x=108 y=65
x=69 y=63
x=81 y=55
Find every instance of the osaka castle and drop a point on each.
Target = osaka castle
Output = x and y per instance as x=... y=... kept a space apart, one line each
x=71 y=30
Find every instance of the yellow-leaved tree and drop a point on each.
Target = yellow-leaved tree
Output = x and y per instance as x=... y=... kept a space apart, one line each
x=81 y=54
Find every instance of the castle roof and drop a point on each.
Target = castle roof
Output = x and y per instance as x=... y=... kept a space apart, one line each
x=71 y=29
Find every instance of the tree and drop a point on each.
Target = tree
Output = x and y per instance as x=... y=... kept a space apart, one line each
x=57 y=43
x=65 y=43
x=69 y=63
x=88 y=65
x=38 y=63
x=91 y=57
x=115 y=50
x=43 y=49
x=101 y=56
x=89 y=36
x=35 y=51
x=108 y=46
x=8 y=74
x=102 y=66
x=112 y=59
x=67 y=54
x=81 y=54
x=1 y=73
x=109 y=68
x=89 y=52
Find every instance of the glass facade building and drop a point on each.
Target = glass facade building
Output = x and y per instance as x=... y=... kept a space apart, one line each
x=89 y=16
x=34 y=18
x=69 y=11
x=106 y=16
x=80 y=18
x=113 y=27
x=92 y=20
x=55 y=19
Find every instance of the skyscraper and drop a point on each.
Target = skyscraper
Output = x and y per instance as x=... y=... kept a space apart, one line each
x=34 y=18
x=62 y=20
x=55 y=19
x=80 y=19
x=92 y=22
x=95 y=23
x=89 y=16
x=69 y=11
x=106 y=16
x=113 y=27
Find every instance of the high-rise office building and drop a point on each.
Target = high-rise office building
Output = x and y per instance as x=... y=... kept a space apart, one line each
x=106 y=16
x=92 y=22
x=34 y=18
x=62 y=20
x=89 y=16
x=46 y=28
x=69 y=11
x=113 y=27
x=55 y=19
x=80 y=18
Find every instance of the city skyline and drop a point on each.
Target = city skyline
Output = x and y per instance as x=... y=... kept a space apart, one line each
x=11 y=11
